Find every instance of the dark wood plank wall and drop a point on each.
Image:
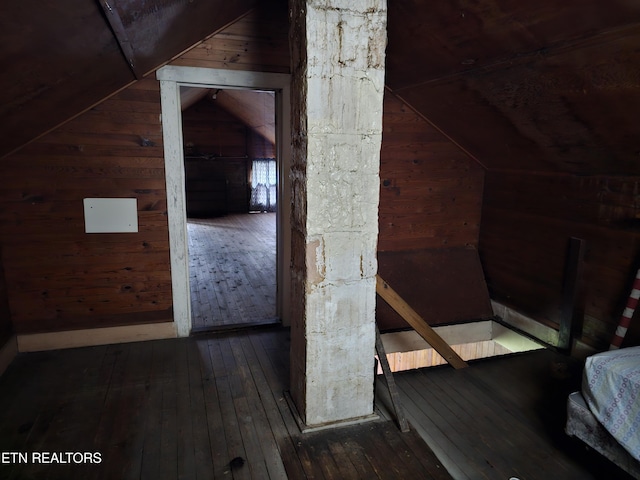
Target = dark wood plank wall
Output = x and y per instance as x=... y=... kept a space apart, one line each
x=6 y=327
x=57 y=62
x=259 y=147
x=209 y=130
x=258 y=42
x=57 y=276
x=221 y=185
x=527 y=221
x=215 y=186
x=430 y=191
x=430 y=201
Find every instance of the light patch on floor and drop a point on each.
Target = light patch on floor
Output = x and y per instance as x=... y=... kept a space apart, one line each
x=408 y=350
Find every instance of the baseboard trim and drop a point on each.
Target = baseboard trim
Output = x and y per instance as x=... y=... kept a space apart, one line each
x=7 y=353
x=537 y=330
x=304 y=428
x=525 y=324
x=37 y=342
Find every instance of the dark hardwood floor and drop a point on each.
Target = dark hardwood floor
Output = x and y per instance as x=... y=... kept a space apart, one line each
x=502 y=418
x=232 y=270
x=210 y=406
x=213 y=406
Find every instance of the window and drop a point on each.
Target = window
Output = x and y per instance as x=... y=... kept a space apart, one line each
x=263 y=185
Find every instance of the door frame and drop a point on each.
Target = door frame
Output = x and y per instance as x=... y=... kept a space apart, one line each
x=171 y=79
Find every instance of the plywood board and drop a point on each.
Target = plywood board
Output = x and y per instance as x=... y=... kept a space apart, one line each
x=441 y=285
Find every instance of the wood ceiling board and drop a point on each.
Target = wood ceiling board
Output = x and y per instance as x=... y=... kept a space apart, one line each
x=256 y=109
x=573 y=111
x=160 y=30
x=476 y=125
x=441 y=285
x=430 y=40
x=56 y=61
x=191 y=95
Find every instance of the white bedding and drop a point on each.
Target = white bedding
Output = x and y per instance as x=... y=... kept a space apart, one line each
x=611 y=389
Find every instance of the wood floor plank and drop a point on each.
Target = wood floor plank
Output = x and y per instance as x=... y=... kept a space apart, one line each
x=454 y=405
x=438 y=433
x=250 y=442
x=269 y=348
x=186 y=408
x=276 y=411
x=384 y=458
x=150 y=467
x=169 y=421
x=221 y=361
x=507 y=446
x=346 y=468
x=256 y=410
x=197 y=416
x=405 y=444
x=232 y=270
x=217 y=442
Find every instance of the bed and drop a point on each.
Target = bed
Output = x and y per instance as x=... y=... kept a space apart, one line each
x=605 y=413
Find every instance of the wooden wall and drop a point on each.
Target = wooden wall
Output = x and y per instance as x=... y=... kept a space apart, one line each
x=527 y=221
x=429 y=218
x=6 y=327
x=60 y=278
x=215 y=186
x=259 y=42
x=259 y=147
x=210 y=131
x=430 y=191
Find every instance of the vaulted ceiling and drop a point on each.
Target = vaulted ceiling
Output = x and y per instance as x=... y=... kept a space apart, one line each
x=60 y=58
x=524 y=85
x=256 y=109
x=530 y=86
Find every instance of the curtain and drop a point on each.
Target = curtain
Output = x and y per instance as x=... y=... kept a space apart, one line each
x=263 y=185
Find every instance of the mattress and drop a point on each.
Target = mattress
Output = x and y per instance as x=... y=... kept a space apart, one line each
x=611 y=390
x=582 y=424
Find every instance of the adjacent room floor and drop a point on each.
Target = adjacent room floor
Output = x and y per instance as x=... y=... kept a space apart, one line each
x=232 y=270
x=213 y=406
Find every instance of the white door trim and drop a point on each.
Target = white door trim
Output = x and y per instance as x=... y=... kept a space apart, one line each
x=171 y=79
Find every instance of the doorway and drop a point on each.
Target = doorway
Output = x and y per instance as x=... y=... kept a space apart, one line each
x=171 y=80
x=231 y=199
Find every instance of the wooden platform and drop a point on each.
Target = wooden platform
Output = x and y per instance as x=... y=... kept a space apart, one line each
x=213 y=406
x=232 y=270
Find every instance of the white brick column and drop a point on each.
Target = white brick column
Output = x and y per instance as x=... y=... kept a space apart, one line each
x=338 y=84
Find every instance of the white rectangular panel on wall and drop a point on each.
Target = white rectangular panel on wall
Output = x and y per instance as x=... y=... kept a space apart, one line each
x=110 y=215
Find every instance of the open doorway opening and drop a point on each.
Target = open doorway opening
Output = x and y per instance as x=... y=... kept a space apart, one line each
x=229 y=141
x=172 y=78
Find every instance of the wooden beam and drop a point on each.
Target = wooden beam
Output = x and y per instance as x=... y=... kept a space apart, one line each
x=418 y=323
x=121 y=36
x=391 y=384
x=570 y=292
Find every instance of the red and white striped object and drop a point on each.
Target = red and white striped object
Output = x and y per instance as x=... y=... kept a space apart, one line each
x=627 y=314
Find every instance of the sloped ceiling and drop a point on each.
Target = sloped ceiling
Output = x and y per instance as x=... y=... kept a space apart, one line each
x=256 y=109
x=60 y=58
x=532 y=86
x=528 y=86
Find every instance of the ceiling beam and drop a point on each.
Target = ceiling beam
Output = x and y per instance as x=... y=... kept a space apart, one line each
x=121 y=36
